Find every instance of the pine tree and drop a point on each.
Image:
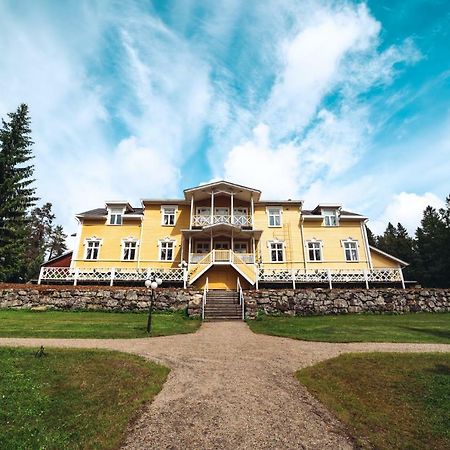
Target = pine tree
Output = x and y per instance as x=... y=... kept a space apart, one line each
x=57 y=245
x=16 y=193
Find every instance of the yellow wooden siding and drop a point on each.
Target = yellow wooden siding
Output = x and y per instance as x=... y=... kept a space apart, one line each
x=153 y=231
x=383 y=262
x=110 y=252
x=332 y=250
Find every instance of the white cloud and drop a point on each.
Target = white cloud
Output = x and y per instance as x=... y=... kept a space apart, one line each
x=273 y=170
x=406 y=208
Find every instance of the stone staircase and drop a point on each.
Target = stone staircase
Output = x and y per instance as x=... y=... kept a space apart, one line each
x=222 y=305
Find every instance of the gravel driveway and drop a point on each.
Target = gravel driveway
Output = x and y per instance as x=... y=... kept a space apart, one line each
x=232 y=389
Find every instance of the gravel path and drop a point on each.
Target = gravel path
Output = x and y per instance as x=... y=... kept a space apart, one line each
x=232 y=389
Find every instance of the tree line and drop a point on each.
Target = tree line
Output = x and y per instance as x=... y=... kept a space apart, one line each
x=427 y=252
x=28 y=234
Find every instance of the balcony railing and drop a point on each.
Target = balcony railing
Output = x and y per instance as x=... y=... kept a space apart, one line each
x=204 y=220
x=111 y=275
x=221 y=256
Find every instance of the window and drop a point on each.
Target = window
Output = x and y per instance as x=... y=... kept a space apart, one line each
x=92 y=248
x=202 y=247
x=115 y=217
x=314 y=251
x=274 y=215
x=241 y=247
x=168 y=217
x=166 y=250
x=330 y=219
x=276 y=252
x=129 y=250
x=351 y=250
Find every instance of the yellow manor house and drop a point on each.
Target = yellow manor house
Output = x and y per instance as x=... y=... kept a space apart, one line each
x=223 y=236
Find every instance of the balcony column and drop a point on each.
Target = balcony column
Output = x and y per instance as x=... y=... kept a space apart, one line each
x=232 y=208
x=253 y=211
x=189 y=250
x=212 y=207
x=192 y=211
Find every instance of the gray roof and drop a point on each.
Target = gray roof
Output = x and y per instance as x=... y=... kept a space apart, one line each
x=101 y=212
x=314 y=212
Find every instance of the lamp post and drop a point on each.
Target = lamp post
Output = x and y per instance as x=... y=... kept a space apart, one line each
x=152 y=284
x=184 y=265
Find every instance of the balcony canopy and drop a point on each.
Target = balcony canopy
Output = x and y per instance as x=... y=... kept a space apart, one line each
x=222 y=187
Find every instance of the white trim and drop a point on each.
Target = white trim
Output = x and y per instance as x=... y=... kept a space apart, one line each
x=366 y=244
x=314 y=241
x=86 y=246
x=77 y=246
x=388 y=255
x=283 y=246
x=351 y=240
x=280 y=208
x=324 y=212
x=166 y=240
x=136 y=249
x=163 y=213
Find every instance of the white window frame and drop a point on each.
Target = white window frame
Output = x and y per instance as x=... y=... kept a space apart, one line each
x=115 y=216
x=239 y=243
x=87 y=247
x=330 y=213
x=272 y=215
x=125 y=243
x=164 y=213
x=283 y=256
x=163 y=243
x=316 y=243
x=350 y=241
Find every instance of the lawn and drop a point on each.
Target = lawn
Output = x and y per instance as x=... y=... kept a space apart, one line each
x=85 y=324
x=72 y=399
x=417 y=327
x=387 y=400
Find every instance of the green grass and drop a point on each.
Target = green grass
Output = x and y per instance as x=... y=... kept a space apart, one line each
x=84 y=324
x=72 y=399
x=387 y=401
x=418 y=327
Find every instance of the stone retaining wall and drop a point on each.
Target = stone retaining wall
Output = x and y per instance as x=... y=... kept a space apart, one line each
x=306 y=302
x=270 y=301
x=103 y=299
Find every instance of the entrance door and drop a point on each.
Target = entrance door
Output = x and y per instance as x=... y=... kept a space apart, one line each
x=221 y=245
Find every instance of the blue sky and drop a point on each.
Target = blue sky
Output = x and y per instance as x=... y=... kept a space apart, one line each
x=320 y=100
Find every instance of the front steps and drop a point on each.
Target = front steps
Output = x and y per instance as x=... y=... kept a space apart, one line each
x=222 y=305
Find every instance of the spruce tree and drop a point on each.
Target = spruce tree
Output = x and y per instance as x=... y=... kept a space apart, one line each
x=17 y=194
x=57 y=245
x=432 y=256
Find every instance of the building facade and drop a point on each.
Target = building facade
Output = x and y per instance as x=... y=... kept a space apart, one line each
x=220 y=233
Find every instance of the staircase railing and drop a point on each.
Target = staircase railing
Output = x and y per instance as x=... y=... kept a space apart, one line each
x=241 y=298
x=205 y=293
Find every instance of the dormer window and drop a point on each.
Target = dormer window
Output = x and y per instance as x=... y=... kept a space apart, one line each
x=330 y=217
x=115 y=217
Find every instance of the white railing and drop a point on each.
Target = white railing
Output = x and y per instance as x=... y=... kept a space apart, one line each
x=241 y=298
x=204 y=297
x=109 y=274
x=330 y=276
x=203 y=220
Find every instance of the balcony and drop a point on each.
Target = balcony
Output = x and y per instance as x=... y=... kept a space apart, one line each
x=221 y=256
x=238 y=220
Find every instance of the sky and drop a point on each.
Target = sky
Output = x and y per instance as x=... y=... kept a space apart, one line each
x=324 y=101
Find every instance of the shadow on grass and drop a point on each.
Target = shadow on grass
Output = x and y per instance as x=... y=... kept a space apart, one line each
x=444 y=334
